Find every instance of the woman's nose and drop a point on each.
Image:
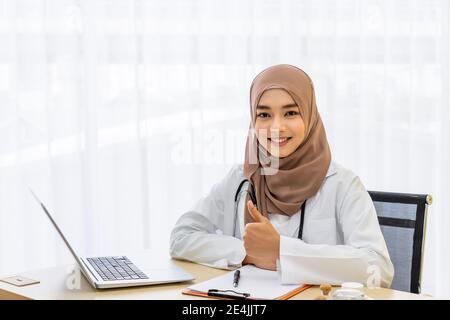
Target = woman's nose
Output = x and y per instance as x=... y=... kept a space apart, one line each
x=277 y=125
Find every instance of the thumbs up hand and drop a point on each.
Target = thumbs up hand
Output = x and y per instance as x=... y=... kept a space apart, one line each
x=261 y=240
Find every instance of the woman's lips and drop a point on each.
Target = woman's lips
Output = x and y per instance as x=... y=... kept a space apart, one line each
x=279 y=142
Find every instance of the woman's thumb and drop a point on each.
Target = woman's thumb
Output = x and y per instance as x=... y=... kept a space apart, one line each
x=256 y=215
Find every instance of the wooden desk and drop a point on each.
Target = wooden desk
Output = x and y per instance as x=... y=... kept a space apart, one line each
x=53 y=285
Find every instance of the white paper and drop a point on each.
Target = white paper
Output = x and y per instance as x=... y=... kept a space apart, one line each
x=259 y=283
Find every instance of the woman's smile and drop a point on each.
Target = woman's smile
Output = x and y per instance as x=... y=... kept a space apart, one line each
x=279 y=142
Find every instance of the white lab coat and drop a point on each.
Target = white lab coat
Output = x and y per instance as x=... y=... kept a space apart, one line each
x=342 y=240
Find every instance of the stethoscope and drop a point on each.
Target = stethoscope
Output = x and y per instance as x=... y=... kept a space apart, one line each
x=252 y=194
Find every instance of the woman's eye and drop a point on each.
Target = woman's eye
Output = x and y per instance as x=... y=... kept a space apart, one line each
x=263 y=115
x=291 y=113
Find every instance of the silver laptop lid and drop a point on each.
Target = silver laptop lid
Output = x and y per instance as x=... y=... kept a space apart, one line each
x=57 y=228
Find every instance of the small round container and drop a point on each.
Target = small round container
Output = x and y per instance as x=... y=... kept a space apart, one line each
x=348 y=294
x=349 y=291
x=352 y=285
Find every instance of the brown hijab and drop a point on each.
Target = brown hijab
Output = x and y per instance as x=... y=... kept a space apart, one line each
x=300 y=174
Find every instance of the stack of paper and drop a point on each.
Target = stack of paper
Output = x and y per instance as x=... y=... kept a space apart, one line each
x=258 y=283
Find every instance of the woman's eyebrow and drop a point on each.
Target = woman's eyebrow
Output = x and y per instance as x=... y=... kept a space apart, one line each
x=284 y=107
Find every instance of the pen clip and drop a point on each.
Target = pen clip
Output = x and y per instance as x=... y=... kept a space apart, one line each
x=231 y=294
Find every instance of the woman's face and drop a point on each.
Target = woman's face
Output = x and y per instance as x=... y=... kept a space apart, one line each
x=279 y=127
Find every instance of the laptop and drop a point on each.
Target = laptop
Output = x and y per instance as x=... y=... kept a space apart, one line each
x=118 y=271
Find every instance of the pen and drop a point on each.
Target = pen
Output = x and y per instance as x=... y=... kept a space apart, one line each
x=237 y=275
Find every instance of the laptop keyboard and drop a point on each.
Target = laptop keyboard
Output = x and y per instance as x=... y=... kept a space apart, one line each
x=116 y=268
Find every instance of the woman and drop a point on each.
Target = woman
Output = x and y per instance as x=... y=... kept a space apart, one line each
x=305 y=215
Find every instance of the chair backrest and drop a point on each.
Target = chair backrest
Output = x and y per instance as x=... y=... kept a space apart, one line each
x=402 y=219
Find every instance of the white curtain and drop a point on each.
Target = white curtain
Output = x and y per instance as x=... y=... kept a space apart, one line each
x=120 y=114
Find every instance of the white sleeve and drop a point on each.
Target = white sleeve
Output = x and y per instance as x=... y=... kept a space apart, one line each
x=362 y=258
x=205 y=235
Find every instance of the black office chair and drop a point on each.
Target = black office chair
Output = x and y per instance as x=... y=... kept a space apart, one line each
x=402 y=219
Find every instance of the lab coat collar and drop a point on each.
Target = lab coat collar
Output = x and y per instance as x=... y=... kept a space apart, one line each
x=332 y=169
